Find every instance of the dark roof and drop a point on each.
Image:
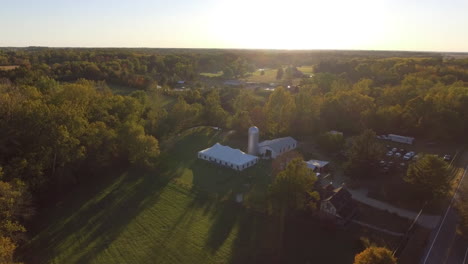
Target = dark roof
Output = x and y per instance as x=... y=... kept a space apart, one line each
x=341 y=199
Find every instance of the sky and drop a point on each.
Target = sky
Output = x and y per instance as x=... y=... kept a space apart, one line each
x=417 y=25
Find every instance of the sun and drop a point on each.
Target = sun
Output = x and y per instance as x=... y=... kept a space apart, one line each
x=298 y=24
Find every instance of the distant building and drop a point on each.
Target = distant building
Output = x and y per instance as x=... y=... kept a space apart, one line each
x=319 y=166
x=228 y=157
x=337 y=203
x=334 y=132
x=275 y=147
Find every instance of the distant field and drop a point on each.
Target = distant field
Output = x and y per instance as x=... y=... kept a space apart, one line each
x=268 y=77
x=8 y=67
x=210 y=74
x=181 y=213
x=155 y=99
x=308 y=70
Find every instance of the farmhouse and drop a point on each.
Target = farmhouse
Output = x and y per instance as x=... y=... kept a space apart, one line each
x=227 y=156
x=275 y=147
x=318 y=165
x=337 y=203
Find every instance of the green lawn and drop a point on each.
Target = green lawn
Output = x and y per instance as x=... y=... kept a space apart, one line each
x=211 y=74
x=268 y=77
x=181 y=213
x=308 y=70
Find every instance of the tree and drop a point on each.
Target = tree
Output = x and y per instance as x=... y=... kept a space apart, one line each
x=293 y=188
x=213 y=111
x=7 y=249
x=375 y=255
x=279 y=73
x=331 y=143
x=363 y=155
x=429 y=175
x=279 y=111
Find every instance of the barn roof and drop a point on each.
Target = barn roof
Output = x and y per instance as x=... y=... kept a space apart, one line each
x=278 y=143
x=313 y=164
x=228 y=154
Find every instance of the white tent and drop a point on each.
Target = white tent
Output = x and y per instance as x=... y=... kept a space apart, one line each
x=227 y=156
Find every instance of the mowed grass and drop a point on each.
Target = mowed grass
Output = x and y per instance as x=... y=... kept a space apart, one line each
x=268 y=77
x=307 y=70
x=183 y=212
x=211 y=74
x=8 y=67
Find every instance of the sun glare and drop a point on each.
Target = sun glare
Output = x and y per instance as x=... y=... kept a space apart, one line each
x=299 y=24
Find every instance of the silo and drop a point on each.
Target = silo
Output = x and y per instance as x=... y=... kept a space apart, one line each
x=253 y=140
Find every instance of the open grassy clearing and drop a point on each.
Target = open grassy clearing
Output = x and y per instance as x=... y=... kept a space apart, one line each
x=8 y=67
x=307 y=70
x=181 y=213
x=211 y=74
x=268 y=77
x=156 y=98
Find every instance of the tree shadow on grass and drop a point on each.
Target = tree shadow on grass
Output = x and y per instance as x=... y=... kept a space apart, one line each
x=99 y=221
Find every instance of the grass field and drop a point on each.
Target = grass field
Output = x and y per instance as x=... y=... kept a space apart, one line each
x=268 y=77
x=308 y=70
x=181 y=213
x=156 y=99
x=8 y=67
x=211 y=74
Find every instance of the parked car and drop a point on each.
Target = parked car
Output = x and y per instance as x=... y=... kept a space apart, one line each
x=382 y=163
x=397 y=155
x=394 y=149
x=447 y=158
x=389 y=154
x=402 y=150
x=406 y=157
x=390 y=164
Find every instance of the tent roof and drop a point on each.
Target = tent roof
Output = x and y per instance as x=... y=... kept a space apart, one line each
x=316 y=164
x=278 y=143
x=228 y=154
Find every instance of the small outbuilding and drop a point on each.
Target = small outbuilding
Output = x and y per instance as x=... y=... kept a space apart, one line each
x=317 y=165
x=228 y=157
x=275 y=147
x=337 y=203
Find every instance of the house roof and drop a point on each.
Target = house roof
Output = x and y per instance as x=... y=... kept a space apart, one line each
x=228 y=154
x=341 y=200
x=278 y=143
x=313 y=164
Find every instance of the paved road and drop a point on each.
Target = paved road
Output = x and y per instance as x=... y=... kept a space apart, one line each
x=428 y=221
x=445 y=245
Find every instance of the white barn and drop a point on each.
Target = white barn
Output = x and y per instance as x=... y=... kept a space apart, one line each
x=275 y=147
x=227 y=156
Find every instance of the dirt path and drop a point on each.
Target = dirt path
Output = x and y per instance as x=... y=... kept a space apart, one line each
x=428 y=221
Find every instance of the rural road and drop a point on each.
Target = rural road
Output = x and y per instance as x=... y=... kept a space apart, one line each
x=428 y=221
x=445 y=246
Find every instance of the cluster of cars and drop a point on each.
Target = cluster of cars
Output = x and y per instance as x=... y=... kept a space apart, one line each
x=397 y=154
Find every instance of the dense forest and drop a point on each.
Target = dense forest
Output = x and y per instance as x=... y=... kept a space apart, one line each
x=61 y=123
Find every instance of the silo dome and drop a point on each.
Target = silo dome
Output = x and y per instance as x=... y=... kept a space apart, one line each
x=254 y=129
x=252 y=148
